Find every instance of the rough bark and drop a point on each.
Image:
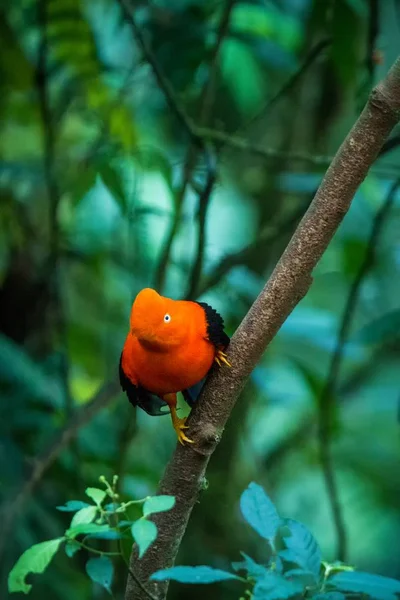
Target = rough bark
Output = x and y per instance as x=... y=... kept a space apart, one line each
x=288 y=283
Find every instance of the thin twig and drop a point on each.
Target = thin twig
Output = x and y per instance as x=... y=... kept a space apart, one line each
x=288 y=86
x=162 y=81
x=327 y=396
x=204 y=201
x=205 y=114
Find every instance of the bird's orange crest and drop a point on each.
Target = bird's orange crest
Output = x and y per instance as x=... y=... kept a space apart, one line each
x=158 y=321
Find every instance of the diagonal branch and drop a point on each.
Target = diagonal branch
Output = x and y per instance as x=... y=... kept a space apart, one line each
x=288 y=283
x=327 y=396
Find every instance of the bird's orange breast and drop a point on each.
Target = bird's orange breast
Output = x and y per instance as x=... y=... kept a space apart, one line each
x=166 y=372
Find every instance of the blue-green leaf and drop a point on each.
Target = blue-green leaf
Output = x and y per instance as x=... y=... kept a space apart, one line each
x=96 y=495
x=376 y=586
x=71 y=547
x=85 y=529
x=144 y=533
x=302 y=548
x=101 y=570
x=72 y=506
x=158 y=504
x=274 y=587
x=84 y=515
x=200 y=574
x=33 y=560
x=254 y=570
x=259 y=511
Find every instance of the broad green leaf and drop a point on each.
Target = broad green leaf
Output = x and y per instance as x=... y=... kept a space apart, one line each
x=101 y=571
x=33 y=560
x=254 y=570
x=200 y=574
x=158 y=504
x=302 y=548
x=259 y=511
x=85 y=515
x=376 y=586
x=73 y=506
x=85 y=529
x=275 y=587
x=71 y=547
x=144 y=533
x=96 y=495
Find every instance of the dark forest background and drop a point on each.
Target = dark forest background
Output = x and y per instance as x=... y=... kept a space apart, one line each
x=105 y=190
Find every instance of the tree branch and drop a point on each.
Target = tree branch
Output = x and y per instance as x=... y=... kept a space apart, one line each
x=288 y=283
x=327 y=397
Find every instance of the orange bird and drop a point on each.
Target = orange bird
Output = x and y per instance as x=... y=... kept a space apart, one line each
x=171 y=346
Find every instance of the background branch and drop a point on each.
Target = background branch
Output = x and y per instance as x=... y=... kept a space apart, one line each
x=288 y=283
x=327 y=397
x=11 y=510
x=206 y=104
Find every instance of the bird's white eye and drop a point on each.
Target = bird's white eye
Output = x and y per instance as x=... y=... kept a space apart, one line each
x=167 y=318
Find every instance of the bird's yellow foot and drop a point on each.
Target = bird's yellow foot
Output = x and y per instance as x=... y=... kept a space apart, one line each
x=220 y=357
x=179 y=426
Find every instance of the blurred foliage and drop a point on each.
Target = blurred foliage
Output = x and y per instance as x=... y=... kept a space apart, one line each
x=91 y=170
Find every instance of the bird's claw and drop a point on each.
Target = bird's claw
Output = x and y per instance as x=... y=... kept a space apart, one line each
x=221 y=357
x=179 y=426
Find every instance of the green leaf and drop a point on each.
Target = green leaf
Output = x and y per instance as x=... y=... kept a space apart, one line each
x=259 y=511
x=144 y=533
x=302 y=548
x=274 y=587
x=33 y=560
x=157 y=504
x=96 y=495
x=85 y=515
x=71 y=547
x=86 y=528
x=200 y=574
x=72 y=506
x=101 y=570
x=379 y=588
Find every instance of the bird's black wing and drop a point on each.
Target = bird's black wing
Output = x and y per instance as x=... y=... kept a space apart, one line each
x=138 y=396
x=215 y=326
